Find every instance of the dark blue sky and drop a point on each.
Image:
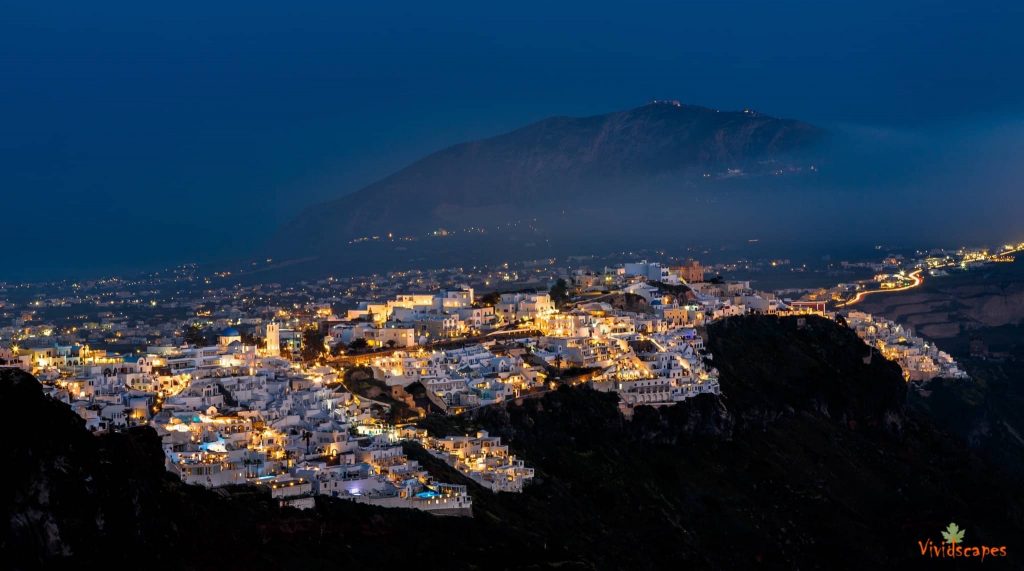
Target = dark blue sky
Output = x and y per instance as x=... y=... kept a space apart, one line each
x=135 y=134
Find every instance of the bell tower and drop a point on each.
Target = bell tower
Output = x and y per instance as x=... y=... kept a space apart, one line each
x=273 y=339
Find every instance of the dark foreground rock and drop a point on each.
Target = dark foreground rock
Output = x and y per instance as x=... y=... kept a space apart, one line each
x=813 y=459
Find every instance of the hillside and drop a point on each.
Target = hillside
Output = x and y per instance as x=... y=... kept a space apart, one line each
x=977 y=316
x=811 y=459
x=945 y=307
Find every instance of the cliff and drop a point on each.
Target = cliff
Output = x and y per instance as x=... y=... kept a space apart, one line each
x=811 y=459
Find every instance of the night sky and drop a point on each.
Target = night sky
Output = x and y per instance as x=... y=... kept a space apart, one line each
x=136 y=134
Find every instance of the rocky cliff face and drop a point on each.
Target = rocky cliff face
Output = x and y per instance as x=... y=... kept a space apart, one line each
x=811 y=451
x=74 y=499
x=816 y=368
x=811 y=459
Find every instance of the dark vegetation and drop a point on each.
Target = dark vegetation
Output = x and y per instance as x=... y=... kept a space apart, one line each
x=812 y=459
x=986 y=413
x=360 y=345
x=312 y=344
x=195 y=336
x=253 y=340
x=559 y=293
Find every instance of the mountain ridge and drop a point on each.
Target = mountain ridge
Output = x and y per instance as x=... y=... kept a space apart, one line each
x=557 y=160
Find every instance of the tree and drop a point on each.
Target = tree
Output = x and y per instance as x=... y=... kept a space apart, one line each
x=312 y=344
x=358 y=344
x=307 y=436
x=253 y=465
x=488 y=300
x=252 y=340
x=194 y=335
x=391 y=343
x=559 y=293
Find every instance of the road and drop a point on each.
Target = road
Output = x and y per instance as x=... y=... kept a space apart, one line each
x=918 y=280
x=914 y=275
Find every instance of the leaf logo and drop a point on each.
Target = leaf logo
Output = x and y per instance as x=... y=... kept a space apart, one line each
x=953 y=534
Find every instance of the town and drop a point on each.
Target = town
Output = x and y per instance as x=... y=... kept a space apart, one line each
x=308 y=390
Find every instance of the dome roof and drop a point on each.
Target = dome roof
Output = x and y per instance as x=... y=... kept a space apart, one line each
x=230 y=332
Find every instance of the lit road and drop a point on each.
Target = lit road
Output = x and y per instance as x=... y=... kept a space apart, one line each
x=914 y=275
x=918 y=280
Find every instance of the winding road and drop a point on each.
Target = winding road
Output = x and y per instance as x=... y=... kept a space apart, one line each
x=914 y=275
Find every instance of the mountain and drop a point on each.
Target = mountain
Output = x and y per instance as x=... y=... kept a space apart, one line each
x=812 y=458
x=497 y=184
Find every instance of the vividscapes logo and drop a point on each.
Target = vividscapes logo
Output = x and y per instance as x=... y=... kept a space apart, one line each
x=952 y=546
